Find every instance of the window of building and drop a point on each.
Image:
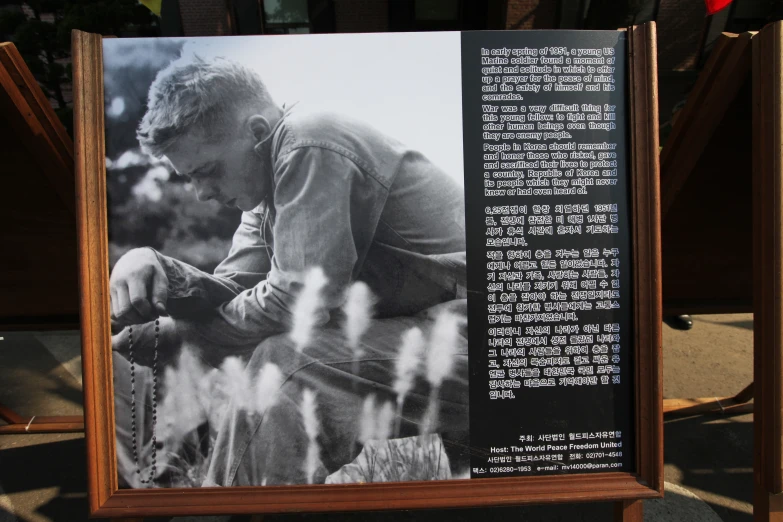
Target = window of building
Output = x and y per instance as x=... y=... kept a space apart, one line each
x=286 y=17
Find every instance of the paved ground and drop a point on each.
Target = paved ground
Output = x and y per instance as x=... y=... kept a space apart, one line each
x=708 y=458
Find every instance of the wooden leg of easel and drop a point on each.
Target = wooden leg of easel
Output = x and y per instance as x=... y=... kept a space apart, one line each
x=628 y=511
x=15 y=423
x=767 y=507
x=8 y=415
x=736 y=405
x=745 y=395
x=767 y=278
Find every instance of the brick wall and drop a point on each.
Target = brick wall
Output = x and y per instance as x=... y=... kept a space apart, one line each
x=361 y=16
x=531 y=14
x=205 y=17
x=680 y=28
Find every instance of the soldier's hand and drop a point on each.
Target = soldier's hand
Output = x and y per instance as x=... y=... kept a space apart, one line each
x=144 y=336
x=139 y=288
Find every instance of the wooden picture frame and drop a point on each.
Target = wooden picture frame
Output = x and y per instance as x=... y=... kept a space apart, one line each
x=716 y=119
x=718 y=106
x=37 y=208
x=767 y=281
x=107 y=500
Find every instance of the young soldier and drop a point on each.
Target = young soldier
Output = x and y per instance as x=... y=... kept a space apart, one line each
x=316 y=190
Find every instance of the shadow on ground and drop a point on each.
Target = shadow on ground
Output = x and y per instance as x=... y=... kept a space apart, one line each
x=34 y=381
x=746 y=325
x=58 y=464
x=712 y=456
x=558 y=513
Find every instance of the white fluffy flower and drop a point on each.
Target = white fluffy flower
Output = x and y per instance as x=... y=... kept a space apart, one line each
x=367 y=420
x=408 y=361
x=385 y=421
x=443 y=344
x=237 y=383
x=270 y=379
x=312 y=428
x=358 y=313
x=309 y=414
x=308 y=302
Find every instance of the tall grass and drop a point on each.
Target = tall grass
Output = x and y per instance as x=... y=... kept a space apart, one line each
x=186 y=406
x=312 y=429
x=196 y=397
x=376 y=421
x=270 y=379
x=385 y=421
x=236 y=382
x=443 y=341
x=308 y=304
x=358 y=309
x=396 y=460
x=367 y=420
x=408 y=366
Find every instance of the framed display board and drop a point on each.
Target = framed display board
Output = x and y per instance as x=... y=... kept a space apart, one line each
x=36 y=206
x=37 y=210
x=362 y=272
x=767 y=259
x=704 y=171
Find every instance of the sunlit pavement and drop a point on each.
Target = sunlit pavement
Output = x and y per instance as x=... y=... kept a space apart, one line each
x=708 y=458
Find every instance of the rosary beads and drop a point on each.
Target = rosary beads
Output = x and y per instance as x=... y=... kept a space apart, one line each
x=154 y=402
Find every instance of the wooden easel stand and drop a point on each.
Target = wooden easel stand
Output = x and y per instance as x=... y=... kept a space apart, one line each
x=35 y=424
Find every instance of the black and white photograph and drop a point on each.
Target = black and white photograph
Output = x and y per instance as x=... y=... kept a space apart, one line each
x=286 y=225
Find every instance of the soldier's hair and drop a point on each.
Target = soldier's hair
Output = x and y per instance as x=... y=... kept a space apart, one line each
x=193 y=94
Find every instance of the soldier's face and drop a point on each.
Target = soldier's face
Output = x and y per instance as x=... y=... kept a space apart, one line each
x=225 y=169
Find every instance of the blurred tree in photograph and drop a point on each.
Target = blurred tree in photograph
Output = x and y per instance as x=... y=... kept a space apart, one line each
x=149 y=204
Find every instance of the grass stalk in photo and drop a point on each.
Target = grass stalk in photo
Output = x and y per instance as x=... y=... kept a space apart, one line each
x=408 y=366
x=308 y=303
x=440 y=362
x=312 y=429
x=270 y=379
x=358 y=309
